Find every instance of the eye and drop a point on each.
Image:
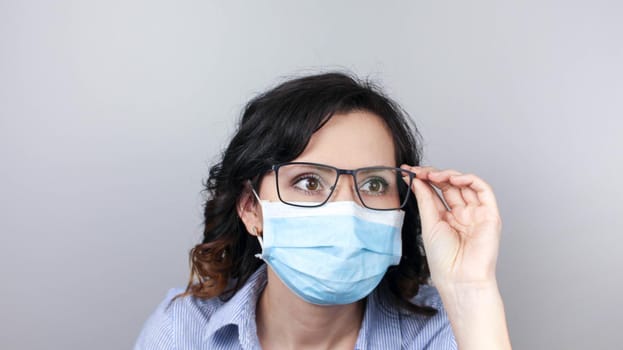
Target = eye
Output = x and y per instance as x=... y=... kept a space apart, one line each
x=374 y=186
x=309 y=182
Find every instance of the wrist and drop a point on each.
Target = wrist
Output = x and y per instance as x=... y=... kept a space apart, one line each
x=476 y=312
x=466 y=294
x=449 y=286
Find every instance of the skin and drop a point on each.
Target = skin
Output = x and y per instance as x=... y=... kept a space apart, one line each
x=461 y=243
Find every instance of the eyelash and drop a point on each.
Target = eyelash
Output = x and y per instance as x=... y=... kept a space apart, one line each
x=383 y=182
x=305 y=177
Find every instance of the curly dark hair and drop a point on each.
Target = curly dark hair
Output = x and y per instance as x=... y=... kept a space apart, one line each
x=276 y=126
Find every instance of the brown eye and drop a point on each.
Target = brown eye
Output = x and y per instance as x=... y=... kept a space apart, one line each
x=309 y=183
x=312 y=185
x=374 y=186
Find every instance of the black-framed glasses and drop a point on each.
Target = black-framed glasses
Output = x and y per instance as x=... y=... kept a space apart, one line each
x=304 y=184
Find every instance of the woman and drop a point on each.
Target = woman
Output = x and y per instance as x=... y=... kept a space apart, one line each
x=323 y=232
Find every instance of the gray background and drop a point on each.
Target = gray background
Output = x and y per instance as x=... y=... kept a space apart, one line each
x=112 y=111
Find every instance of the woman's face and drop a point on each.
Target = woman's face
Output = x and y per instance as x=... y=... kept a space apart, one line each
x=348 y=141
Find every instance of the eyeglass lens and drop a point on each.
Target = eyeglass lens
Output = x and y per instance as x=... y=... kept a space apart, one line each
x=310 y=185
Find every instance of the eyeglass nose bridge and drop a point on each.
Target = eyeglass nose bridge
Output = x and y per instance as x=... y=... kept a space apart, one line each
x=354 y=190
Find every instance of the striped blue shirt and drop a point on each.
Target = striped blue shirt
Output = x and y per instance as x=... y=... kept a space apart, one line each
x=193 y=323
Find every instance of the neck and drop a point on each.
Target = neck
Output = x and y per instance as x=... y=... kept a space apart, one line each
x=285 y=321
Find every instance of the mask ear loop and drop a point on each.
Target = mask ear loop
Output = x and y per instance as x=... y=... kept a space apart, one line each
x=259 y=239
x=254 y=229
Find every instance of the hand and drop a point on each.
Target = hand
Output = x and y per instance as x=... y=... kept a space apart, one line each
x=461 y=241
x=461 y=244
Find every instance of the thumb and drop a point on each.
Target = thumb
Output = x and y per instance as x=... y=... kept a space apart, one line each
x=429 y=204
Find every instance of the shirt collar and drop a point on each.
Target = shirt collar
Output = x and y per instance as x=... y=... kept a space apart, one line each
x=240 y=311
x=379 y=315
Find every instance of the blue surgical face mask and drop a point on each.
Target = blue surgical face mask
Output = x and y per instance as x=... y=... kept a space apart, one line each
x=333 y=254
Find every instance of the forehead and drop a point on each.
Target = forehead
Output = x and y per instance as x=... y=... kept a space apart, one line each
x=351 y=140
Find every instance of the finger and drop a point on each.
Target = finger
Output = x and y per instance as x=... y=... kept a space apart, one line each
x=429 y=204
x=440 y=203
x=470 y=196
x=451 y=194
x=421 y=172
x=482 y=190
